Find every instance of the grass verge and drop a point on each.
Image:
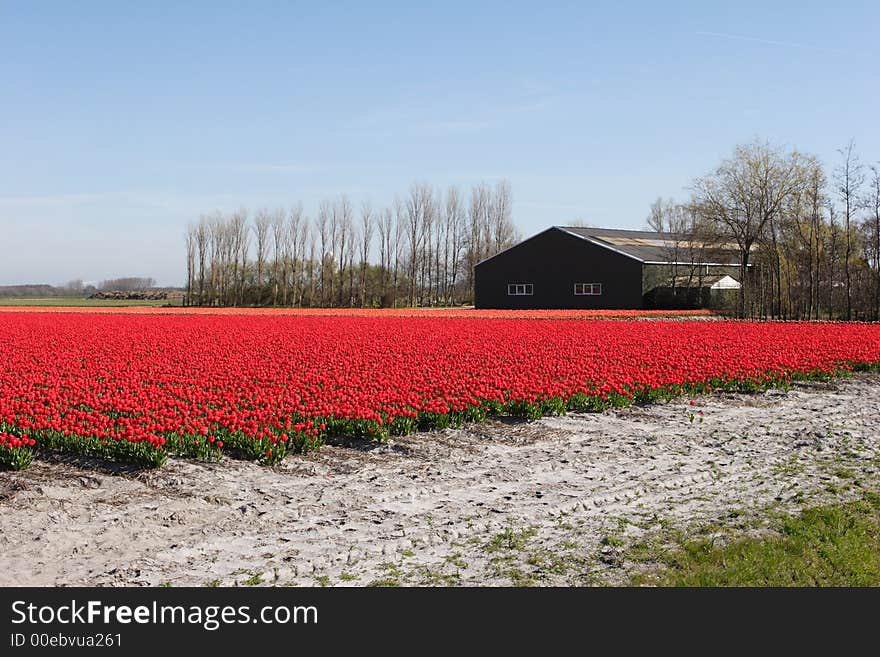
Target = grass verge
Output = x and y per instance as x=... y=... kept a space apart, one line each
x=830 y=545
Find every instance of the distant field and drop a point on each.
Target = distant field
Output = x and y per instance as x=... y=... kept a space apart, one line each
x=159 y=307
x=78 y=302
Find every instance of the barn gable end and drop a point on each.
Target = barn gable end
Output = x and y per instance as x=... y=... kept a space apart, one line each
x=558 y=269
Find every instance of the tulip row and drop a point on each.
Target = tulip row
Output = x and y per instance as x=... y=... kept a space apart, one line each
x=136 y=387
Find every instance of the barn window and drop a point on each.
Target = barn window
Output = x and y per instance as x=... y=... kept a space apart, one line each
x=519 y=289
x=589 y=289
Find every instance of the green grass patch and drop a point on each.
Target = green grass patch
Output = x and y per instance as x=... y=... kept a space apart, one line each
x=254 y=580
x=833 y=545
x=511 y=539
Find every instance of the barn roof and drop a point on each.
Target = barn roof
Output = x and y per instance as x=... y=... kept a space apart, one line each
x=647 y=246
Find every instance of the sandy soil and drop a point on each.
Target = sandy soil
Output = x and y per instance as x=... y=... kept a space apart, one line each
x=507 y=502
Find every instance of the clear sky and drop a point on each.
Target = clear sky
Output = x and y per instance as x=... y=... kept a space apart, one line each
x=122 y=121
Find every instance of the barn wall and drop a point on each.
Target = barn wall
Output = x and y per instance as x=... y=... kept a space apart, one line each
x=553 y=261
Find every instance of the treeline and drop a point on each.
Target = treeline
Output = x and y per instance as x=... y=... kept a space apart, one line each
x=808 y=238
x=420 y=251
x=76 y=288
x=127 y=284
x=38 y=290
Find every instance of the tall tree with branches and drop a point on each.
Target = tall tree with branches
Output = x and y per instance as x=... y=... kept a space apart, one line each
x=262 y=227
x=367 y=223
x=849 y=178
x=874 y=234
x=744 y=194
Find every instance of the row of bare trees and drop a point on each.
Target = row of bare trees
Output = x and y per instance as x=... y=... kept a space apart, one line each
x=128 y=283
x=809 y=242
x=419 y=251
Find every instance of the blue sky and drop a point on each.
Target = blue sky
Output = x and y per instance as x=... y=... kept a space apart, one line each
x=121 y=122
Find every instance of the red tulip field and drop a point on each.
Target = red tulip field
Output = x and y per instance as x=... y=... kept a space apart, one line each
x=137 y=387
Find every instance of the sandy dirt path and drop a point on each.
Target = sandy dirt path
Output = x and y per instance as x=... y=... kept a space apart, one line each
x=507 y=502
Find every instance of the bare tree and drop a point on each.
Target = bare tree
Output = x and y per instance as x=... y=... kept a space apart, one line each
x=849 y=178
x=438 y=250
x=281 y=237
x=334 y=253
x=349 y=298
x=293 y=252
x=479 y=230
x=743 y=194
x=416 y=210
x=456 y=217
x=397 y=242
x=807 y=218
x=367 y=222
x=385 y=224
x=503 y=230
x=874 y=234
x=237 y=245
x=190 y=264
x=426 y=251
x=833 y=248
x=451 y=229
x=278 y=238
x=324 y=213
x=670 y=221
x=217 y=233
x=306 y=242
x=202 y=236
x=262 y=225
x=345 y=227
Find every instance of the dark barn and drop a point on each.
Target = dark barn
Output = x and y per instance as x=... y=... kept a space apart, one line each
x=583 y=268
